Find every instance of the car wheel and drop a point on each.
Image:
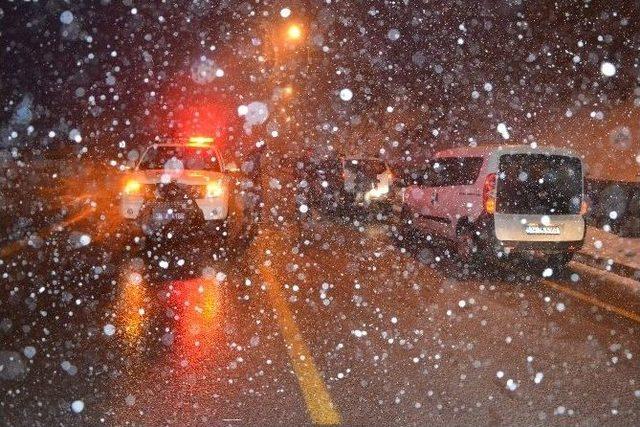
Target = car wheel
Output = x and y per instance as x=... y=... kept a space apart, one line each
x=239 y=228
x=404 y=231
x=467 y=247
x=128 y=230
x=559 y=261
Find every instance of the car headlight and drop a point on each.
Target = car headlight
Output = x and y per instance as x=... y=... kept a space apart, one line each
x=377 y=192
x=214 y=189
x=132 y=187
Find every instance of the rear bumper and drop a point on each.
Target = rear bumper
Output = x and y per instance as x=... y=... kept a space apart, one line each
x=544 y=247
x=489 y=240
x=539 y=228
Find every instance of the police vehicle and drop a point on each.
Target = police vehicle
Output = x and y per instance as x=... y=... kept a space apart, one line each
x=184 y=189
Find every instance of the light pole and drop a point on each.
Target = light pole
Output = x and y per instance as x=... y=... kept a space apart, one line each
x=284 y=43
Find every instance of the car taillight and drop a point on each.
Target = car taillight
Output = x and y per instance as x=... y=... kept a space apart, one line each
x=132 y=187
x=584 y=207
x=214 y=189
x=489 y=194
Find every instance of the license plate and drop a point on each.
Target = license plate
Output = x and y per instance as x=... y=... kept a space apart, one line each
x=169 y=215
x=542 y=229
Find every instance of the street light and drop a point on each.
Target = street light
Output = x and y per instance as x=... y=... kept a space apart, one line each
x=294 y=32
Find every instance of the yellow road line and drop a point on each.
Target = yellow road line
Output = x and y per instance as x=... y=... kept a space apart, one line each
x=594 y=301
x=321 y=408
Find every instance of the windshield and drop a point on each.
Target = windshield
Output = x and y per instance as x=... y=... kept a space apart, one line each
x=539 y=184
x=190 y=158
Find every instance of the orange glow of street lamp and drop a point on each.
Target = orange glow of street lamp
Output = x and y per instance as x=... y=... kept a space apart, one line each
x=294 y=32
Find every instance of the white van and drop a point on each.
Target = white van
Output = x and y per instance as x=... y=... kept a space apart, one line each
x=500 y=199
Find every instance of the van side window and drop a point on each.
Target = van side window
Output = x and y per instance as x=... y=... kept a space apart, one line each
x=450 y=171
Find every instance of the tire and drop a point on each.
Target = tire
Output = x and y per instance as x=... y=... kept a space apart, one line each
x=127 y=231
x=240 y=231
x=559 y=261
x=405 y=232
x=630 y=227
x=467 y=247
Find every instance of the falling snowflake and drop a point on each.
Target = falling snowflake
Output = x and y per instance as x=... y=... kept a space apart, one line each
x=346 y=94
x=607 y=69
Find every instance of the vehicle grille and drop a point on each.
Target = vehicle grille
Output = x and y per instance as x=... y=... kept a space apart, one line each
x=178 y=192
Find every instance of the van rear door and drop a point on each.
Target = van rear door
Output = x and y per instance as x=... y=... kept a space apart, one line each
x=539 y=197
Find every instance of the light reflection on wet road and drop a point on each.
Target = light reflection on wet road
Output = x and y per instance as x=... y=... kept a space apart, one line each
x=342 y=327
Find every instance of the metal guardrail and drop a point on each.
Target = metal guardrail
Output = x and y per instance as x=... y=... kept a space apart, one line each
x=614 y=203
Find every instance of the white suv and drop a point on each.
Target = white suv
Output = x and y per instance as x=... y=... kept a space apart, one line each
x=179 y=185
x=499 y=199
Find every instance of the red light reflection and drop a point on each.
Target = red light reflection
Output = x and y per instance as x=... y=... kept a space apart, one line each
x=132 y=304
x=203 y=118
x=198 y=307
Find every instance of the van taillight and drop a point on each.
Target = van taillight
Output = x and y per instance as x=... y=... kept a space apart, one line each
x=489 y=194
x=584 y=208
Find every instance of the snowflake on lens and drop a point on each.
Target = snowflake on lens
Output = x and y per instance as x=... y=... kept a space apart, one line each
x=621 y=137
x=204 y=71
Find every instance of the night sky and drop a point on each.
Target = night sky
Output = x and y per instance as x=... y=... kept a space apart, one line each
x=424 y=75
